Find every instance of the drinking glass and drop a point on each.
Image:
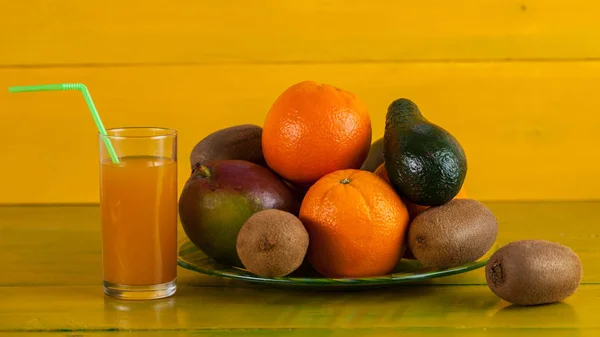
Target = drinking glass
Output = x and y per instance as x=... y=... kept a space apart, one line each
x=138 y=201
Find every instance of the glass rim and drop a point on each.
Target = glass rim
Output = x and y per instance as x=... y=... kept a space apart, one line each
x=168 y=132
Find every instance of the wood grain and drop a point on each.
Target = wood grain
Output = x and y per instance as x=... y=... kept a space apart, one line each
x=529 y=129
x=366 y=332
x=202 y=308
x=41 y=33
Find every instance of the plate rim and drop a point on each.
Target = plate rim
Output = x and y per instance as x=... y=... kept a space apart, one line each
x=388 y=279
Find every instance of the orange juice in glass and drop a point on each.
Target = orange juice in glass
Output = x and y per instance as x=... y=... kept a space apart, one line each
x=138 y=201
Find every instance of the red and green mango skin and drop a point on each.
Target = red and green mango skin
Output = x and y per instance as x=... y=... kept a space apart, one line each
x=218 y=198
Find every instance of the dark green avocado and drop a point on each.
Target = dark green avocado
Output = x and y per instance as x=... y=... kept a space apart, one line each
x=424 y=162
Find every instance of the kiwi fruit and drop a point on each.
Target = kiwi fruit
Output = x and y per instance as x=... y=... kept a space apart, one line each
x=533 y=272
x=449 y=235
x=240 y=142
x=272 y=243
x=375 y=156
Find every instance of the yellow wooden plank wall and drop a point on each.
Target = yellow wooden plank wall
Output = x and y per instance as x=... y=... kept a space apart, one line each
x=515 y=81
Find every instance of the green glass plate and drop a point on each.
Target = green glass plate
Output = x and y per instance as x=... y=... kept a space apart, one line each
x=407 y=271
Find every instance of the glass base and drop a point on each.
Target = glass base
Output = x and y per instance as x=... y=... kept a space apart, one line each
x=149 y=292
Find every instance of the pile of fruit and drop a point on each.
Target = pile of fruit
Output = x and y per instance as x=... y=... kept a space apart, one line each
x=309 y=188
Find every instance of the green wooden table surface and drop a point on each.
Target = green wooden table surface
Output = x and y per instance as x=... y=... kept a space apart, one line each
x=50 y=284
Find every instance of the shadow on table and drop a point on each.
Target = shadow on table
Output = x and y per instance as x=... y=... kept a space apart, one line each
x=400 y=295
x=199 y=307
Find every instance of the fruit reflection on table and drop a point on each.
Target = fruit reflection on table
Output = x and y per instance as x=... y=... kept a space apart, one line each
x=310 y=187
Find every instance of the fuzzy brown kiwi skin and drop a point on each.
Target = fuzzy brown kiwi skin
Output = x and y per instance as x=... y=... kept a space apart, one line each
x=272 y=243
x=533 y=272
x=446 y=236
x=240 y=142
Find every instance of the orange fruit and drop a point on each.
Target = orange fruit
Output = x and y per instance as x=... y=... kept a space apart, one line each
x=313 y=129
x=356 y=223
x=414 y=209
